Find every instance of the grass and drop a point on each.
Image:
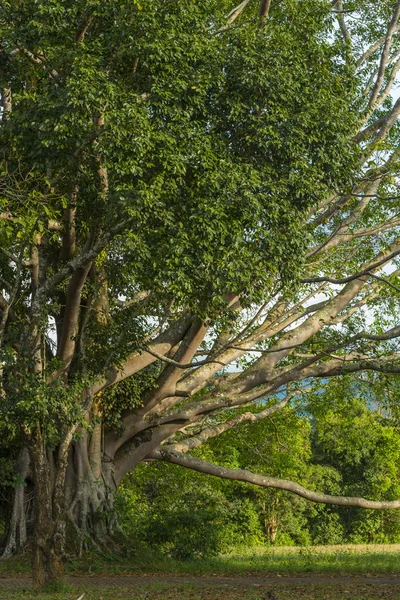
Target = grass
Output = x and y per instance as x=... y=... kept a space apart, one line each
x=258 y=560
x=313 y=559
x=332 y=560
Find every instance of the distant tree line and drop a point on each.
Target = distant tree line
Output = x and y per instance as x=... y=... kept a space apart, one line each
x=339 y=441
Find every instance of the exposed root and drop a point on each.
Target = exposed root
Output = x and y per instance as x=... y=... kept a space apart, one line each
x=92 y=516
x=17 y=533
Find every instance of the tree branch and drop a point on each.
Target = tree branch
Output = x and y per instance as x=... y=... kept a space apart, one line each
x=179 y=365
x=342 y=23
x=216 y=430
x=236 y=12
x=81 y=261
x=364 y=273
x=80 y=36
x=385 y=55
x=373 y=48
x=202 y=466
x=6 y=101
x=139 y=360
x=38 y=59
x=263 y=12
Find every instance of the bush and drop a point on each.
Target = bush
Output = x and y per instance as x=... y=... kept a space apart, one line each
x=184 y=514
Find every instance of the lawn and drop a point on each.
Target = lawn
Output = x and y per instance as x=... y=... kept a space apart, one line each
x=333 y=561
x=258 y=560
x=313 y=559
x=283 y=560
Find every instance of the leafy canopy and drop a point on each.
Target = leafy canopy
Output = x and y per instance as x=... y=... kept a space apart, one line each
x=214 y=142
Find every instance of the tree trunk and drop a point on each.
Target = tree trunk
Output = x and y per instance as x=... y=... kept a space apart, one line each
x=17 y=533
x=49 y=518
x=90 y=492
x=71 y=493
x=271 y=527
x=73 y=498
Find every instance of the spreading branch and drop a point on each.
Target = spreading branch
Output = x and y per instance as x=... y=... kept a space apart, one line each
x=195 y=464
x=385 y=56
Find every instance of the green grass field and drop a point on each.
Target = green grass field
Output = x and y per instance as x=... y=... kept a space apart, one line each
x=258 y=560
x=332 y=560
x=313 y=559
x=282 y=560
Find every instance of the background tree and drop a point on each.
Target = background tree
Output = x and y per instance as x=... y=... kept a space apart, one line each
x=197 y=204
x=332 y=440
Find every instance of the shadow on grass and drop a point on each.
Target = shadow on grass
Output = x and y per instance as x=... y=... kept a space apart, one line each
x=257 y=560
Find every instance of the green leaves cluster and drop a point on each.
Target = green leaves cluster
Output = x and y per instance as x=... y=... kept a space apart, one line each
x=214 y=143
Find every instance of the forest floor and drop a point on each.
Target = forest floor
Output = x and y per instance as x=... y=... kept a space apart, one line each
x=316 y=573
x=163 y=587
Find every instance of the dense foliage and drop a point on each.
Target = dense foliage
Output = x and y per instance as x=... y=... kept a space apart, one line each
x=213 y=144
x=345 y=446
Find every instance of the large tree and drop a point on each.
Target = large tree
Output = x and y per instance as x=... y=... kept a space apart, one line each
x=198 y=204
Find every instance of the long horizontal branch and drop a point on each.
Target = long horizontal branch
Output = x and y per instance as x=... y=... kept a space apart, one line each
x=202 y=466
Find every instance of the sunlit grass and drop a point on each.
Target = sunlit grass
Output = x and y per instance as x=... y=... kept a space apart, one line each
x=282 y=560
x=258 y=560
x=312 y=559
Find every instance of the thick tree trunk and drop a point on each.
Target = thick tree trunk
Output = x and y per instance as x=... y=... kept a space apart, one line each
x=49 y=518
x=71 y=495
x=73 y=491
x=90 y=515
x=73 y=498
x=90 y=494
